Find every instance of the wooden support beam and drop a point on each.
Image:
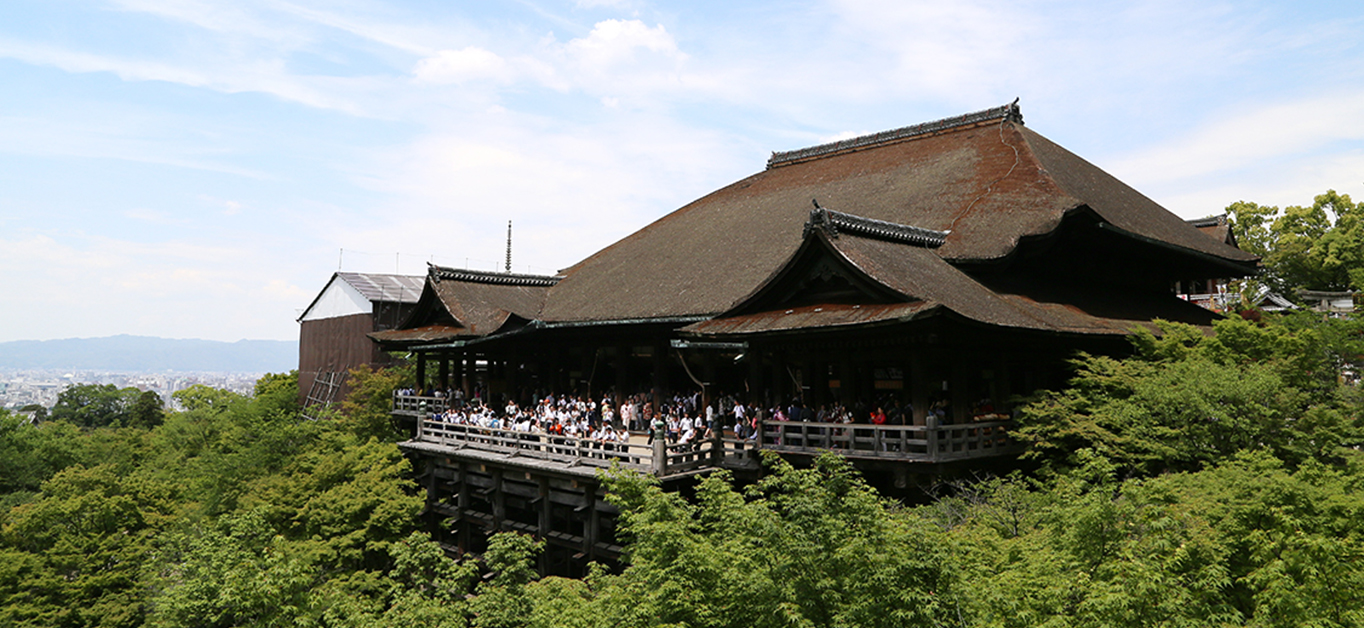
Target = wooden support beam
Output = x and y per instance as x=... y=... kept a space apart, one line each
x=498 y=498
x=444 y=372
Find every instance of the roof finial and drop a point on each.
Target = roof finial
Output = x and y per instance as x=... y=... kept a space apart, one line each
x=509 y=246
x=1015 y=113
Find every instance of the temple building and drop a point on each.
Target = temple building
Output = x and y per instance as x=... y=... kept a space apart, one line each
x=956 y=263
x=940 y=270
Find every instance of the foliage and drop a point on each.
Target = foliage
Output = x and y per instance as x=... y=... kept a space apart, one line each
x=204 y=397
x=148 y=410
x=1245 y=542
x=236 y=572
x=277 y=394
x=75 y=556
x=1316 y=247
x=807 y=547
x=1207 y=480
x=95 y=405
x=367 y=410
x=1186 y=400
x=30 y=454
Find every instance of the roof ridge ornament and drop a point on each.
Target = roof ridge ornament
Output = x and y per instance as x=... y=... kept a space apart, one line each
x=1003 y=113
x=441 y=273
x=834 y=223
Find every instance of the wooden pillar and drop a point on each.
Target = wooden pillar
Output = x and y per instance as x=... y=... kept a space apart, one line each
x=544 y=521
x=588 y=362
x=499 y=500
x=918 y=387
x=958 y=388
x=756 y=385
x=463 y=372
x=1003 y=385
x=781 y=377
x=513 y=380
x=421 y=373
x=592 y=523
x=462 y=504
x=847 y=380
x=660 y=374
x=708 y=377
x=444 y=371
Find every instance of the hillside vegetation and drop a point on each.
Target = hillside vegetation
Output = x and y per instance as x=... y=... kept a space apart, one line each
x=1206 y=481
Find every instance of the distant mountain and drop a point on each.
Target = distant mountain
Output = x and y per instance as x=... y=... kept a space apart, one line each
x=146 y=354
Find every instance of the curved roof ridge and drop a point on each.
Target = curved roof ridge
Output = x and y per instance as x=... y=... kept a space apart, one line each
x=439 y=273
x=1003 y=112
x=834 y=222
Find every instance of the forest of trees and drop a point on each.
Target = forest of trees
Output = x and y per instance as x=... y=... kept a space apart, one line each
x=1207 y=480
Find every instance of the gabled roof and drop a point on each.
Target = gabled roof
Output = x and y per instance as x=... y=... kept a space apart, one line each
x=1216 y=227
x=461 y=303
x=900 y=281
x=983 y=179
x=388 y=288
x=374 y=288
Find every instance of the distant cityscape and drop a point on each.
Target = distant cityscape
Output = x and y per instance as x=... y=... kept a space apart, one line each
x=35 y=372
x=23 y=387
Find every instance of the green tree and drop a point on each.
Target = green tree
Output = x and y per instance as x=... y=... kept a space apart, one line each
x=147 y=411
x=203 y=397
x=1314 y=247
x=1186 y=400
x=76 y=555
x=368 y=410
x=804 y=547
x=30 y=455
x=277 y=393
x=236 y=572
x=95 y=405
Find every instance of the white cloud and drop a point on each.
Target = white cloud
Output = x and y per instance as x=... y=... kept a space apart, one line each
x=149 y=216
x=613 y=41
x=262 y=75
x=1252 y=135
x=178 y=289
x=571 y=189
x=615 y=4
x=233 y=18
x=457 y=66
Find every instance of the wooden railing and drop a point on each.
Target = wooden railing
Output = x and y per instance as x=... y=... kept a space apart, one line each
x=415 y=405
x=917 y=443
x=659 y=457
x=903 y=442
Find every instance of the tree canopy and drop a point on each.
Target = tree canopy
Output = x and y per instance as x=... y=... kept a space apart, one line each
x=1313 y=247
x=1207 y=480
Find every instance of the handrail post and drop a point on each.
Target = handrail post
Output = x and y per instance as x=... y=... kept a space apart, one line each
x=717 y=446
x=932 y=433
x=659 y=464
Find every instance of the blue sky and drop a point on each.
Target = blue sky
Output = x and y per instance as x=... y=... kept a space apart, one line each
x=195 y=168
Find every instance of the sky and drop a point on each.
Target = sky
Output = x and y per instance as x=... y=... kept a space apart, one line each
x=198 y=169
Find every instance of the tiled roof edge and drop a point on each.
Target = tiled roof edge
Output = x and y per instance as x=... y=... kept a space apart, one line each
x=1005 y=112
x=1208 y=221
x=441 y=273
x=834 y=223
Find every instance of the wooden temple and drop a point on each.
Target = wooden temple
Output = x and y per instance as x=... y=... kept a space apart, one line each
x=951 y=265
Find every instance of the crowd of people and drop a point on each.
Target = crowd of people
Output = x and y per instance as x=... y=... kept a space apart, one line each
x=682 y=417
